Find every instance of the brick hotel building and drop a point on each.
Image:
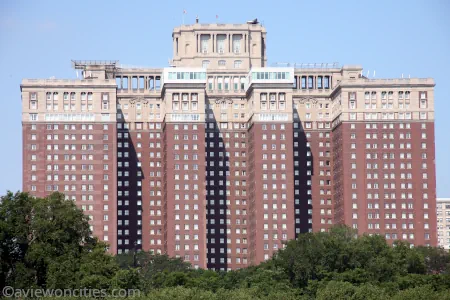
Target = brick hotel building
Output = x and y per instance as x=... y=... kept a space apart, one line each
x=220 y=159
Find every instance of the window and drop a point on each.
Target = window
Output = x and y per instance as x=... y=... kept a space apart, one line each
x=320 y=82
x=327 y=82
x=220 y=43
x=303 y=82
x=210 y=81
x=175 y=105
x=423 y=102
x=33 y=101
x=105 y=101
x=222 y=63
x=236 y=43
x=310 y=82
x=204 y=41
x=236 y=87
x=237 y=64
x=352 y=104
x=205 y=64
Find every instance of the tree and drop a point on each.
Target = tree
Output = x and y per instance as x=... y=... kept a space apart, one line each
x=150 y=262
x=437 y=260
x=206 y=280
x=369 y=292
x=336 y=290
x=126 y=279
x=35 y=231
x=47 y=242
x=420 y=293
x=97 y=268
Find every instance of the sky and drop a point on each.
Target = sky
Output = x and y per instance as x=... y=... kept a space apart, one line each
x=38 y=39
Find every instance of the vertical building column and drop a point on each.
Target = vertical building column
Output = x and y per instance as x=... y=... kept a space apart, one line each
x=247 y=50
x=212 y=42
x=245 y=43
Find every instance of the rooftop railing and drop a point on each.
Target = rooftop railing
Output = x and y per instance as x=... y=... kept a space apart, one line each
x=82 y=63
x=334 y=65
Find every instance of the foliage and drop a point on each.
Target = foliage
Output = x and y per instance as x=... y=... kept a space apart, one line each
x=45 y=242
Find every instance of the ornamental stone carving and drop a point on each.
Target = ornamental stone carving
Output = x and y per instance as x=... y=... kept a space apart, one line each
x=223 y=100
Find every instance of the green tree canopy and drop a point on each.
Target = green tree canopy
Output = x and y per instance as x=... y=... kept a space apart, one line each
x=46 y=242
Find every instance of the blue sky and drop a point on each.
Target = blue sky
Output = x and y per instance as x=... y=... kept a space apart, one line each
x=39 y=38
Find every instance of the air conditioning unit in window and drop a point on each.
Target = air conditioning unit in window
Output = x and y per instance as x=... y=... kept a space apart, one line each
x=236 y=51
x=205 y=51
x=221 y=51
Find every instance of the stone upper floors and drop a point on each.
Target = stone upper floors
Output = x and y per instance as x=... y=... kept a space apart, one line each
x=309 y=93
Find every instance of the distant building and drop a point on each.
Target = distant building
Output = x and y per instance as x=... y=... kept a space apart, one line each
x=443 y=222
x=220 y=159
